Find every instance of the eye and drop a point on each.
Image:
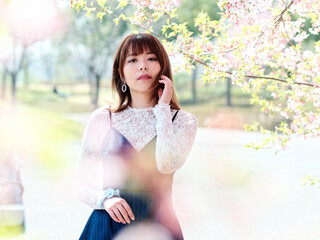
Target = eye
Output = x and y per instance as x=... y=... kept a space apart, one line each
x=152 y=59
x=132 y=60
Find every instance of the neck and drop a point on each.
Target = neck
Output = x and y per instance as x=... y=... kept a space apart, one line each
x=142 y=100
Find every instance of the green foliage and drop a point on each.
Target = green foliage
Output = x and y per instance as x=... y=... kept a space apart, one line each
x=311 y=180
x=189 y=10
x=89 y=10
x=122 y=3
x=102 y=3
x=100 y=15
x=252 y=127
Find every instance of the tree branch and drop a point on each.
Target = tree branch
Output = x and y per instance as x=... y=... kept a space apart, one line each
x=278 y=19
x=291 y=43
x=280 y=80
x=127 y=21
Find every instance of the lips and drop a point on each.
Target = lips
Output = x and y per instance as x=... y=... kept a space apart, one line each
x=144 y=77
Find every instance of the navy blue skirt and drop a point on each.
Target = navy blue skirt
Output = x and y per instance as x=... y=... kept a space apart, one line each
x=100 y=226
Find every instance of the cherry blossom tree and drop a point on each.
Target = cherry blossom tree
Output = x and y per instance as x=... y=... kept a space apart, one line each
x=24 y=23
x=258 y=44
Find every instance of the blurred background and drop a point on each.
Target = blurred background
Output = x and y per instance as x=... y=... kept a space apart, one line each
x=55 y=68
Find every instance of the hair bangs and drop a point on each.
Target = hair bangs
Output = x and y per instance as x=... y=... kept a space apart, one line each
x=140 y=43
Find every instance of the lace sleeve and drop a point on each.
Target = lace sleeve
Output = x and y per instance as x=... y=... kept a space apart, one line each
x=89 y=182
x=174 y=140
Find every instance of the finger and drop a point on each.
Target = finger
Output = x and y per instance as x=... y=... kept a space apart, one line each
x=166 y=81
x=165 y=77
x=128 y=209
x=119 y=216
x=167 y=86
x=124 y=213
x=113 y=216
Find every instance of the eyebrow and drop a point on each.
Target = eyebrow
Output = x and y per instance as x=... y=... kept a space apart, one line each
x=134 y=54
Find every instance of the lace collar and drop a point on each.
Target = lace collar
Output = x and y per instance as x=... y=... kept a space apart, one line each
x=140 y=109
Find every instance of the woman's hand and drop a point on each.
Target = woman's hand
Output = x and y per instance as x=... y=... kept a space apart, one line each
x=118 y=209
x=165 y=95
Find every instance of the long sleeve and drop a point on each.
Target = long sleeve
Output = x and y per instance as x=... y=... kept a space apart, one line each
x=89 y=181
x=174 y=140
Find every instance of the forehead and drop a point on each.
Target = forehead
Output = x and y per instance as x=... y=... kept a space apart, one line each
x=137 y=50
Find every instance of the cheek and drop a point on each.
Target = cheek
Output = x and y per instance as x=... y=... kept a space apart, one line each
x=127 y=70
x=157 y=67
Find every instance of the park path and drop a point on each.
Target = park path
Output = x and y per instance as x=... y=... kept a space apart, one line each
x=224 y=191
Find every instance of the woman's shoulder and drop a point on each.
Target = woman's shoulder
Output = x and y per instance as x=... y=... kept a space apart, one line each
x=186 y=117
x=101 y=113
x=102 y=110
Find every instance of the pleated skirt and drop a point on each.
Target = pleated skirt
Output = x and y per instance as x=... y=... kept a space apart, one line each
x=100 y=226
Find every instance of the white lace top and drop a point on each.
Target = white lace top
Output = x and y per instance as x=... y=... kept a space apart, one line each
x=138 y=125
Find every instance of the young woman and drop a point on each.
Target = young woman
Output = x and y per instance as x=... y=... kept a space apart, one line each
x=130 y=152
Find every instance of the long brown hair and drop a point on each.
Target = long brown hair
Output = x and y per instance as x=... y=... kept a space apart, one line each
x=139 y=43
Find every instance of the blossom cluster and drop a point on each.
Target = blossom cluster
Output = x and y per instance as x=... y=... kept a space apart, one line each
x=274 y=49
x=164 y=5
x=259 y=45
x=237 y=11
x=143 y=15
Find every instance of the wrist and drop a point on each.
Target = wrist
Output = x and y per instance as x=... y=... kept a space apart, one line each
x=163 y=103
x=107 y=194
x=161 y=110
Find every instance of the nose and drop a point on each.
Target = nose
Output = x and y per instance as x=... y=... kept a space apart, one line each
x=143 y=68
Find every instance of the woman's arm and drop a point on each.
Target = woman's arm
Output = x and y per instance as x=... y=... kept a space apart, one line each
x=89 y=178
x=173 y=144
x=89 y=181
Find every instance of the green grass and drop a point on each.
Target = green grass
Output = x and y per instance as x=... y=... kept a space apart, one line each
x=42 y=97
x=37 y=135
x=212 y=111
x=210 y=108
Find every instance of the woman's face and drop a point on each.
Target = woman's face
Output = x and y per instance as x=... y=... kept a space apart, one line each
x=140 y=71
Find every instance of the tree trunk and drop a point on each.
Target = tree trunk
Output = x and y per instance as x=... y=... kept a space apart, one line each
x=91 y=85
x=13 y=88
x=26 y=76
x=97 y=90
x=194 y=85
x=229 y=104
x=3 y=87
